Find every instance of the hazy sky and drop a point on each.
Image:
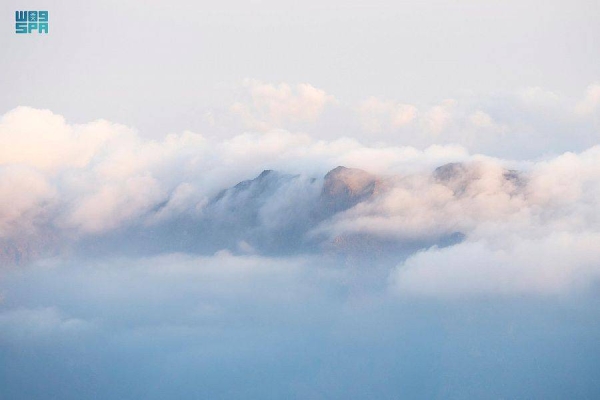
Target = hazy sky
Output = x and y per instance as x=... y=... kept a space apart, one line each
x=160 y=66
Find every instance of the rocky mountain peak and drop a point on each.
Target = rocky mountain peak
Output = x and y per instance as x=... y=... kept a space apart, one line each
x=345 y=187
x=351 y=182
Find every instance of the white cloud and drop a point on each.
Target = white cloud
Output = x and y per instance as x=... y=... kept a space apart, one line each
x=377 y=115
x=275 y=106
x=521 y=124
x=538 y=97
x=553 y=264
x=591 y=101
x=99 y=176
x=439 y=117
x=481 y=119
x=25 y=196
x=416 y=206
x=542 y=238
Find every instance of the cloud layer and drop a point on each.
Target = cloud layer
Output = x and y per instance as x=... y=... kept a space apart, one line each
x=67 y=184
x=521 y=124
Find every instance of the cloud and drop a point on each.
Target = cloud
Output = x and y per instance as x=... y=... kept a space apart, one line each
x=275 y=106
x=418 y=206
x=510 y=220
x=22 y=324
x=537 y=97
x=43 y=140
x=95 y=177
x=481 y=119
x=25 y=197
x=591 y=101
x=377 y=115
x=556 y=263
x=439 y=117
x=181 y=325
x=521 y=124
x=122 y=293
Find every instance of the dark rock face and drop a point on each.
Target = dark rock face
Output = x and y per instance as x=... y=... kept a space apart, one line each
x=449 y=172
x=460 y=176
x=271 y=213
x=515 y=177
x=241 y=204
x=256 y=186
x=456 y=176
